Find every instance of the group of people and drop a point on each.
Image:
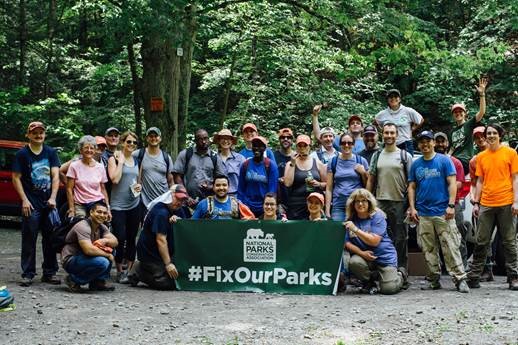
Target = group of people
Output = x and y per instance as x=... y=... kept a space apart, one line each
x=374 y=188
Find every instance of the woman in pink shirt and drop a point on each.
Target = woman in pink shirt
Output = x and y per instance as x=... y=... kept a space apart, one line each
x=85 y=180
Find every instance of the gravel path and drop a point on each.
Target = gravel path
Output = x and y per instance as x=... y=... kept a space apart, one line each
x=51 y=315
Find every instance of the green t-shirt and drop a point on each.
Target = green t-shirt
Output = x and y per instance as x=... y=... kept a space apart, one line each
x=461 y=140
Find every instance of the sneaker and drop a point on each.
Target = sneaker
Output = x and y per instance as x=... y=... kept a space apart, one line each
x=462 y=286
x=369 y=287
x=513 y=284
x=51 y=280
x=100 y=286
x=123 y=279
x=473 y=283
x=25 y=281
x=72 y=286
x=133 y=280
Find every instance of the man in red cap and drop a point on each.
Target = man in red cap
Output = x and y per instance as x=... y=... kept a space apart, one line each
x=249 y=132
x=36 y=179
x=461 y=138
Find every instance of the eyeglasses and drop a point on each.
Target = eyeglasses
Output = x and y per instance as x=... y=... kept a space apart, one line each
x=131 y=142
x=347 y=143
x=270 y=204
x=363 y=201
x=285 y=138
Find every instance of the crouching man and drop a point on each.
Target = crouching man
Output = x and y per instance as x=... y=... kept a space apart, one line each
x=155 y=267
x=87 y=254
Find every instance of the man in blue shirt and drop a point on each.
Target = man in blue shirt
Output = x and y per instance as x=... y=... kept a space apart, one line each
x=221 y=205
x=258 y=176
x=431 y=195
x=36 y=180
x=155 y=267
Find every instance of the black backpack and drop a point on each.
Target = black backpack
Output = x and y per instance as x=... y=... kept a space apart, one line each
x=190 y=152
x=142 y=152
x=59 y=235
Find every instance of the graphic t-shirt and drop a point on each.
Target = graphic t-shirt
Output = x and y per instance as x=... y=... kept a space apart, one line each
x=461 y=140
x=431 y=185
x=402 y=118
x=35 y=173
x=376 y=224
x=221 y=210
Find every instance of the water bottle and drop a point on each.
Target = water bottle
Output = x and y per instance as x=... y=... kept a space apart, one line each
x=309 y=181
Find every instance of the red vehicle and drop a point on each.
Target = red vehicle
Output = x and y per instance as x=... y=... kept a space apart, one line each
x=10 y=203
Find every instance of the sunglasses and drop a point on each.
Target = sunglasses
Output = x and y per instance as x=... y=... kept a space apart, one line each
x=285 y=138
x=347 y=143
x=131 y=142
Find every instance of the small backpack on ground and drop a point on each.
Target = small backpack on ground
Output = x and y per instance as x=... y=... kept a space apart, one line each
x=6 y=299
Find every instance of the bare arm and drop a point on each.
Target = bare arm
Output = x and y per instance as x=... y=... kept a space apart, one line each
x=481 y=88
x=63 y=171
x=26 y=204
x=314 y=120
x=163 y=249
x=371 y=181
x=178 y=179
x=515 y=190
x=452 y=188
x=322 y=169
x=54 y=174
x=89 y=249
x=329 y=194
x=70 y=196
x=289 y=173
x=369 y=239
x=115 y=169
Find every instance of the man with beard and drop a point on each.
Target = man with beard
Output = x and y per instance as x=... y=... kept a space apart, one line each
x=370 y=139
x=388 y=176
x=431 y=195
x=155 y=167
x=441 y=146
x=258 y=176
x=221 y=205
x=196 y=167
x=282 y=156
x=496 y=201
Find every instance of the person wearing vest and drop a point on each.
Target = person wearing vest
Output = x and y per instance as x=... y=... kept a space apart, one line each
x=221 y=205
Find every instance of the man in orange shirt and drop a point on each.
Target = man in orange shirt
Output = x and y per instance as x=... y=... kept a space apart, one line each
x=496 y=200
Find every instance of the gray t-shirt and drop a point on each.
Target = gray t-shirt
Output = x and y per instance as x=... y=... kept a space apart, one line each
x=154 y=176
x=402 y=118
x=122 y=198
x=81 y=231
x=200 y=169
x=391 y=178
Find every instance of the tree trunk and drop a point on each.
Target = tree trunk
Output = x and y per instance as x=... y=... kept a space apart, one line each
x=228 y=87
x=83 y=28
x=135 y=83
x=51 y=22
x=23 y=42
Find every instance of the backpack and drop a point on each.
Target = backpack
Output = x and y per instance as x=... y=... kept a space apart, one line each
x=266 y=165
x=6 y=299
x=59 y=235
x=234 y=209
x=142 y=152
x=190 y=152
x=320 y=155
x=334 y=163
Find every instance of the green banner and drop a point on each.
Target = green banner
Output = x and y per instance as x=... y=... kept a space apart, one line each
x=295 y=257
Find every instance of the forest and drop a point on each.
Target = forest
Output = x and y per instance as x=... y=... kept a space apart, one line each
x=81 y=66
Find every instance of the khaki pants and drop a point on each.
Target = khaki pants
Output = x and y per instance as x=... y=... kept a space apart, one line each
x=436 y=232
x=390 y=281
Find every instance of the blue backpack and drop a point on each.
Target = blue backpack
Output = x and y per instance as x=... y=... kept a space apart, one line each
x=6 y=299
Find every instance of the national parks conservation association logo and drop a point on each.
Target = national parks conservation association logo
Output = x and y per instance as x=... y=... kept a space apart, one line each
x=259 y=247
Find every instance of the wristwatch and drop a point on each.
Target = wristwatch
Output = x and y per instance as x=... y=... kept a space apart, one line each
x=451 y=205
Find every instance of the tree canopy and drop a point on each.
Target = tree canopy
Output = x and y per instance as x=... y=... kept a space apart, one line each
x=82 y=66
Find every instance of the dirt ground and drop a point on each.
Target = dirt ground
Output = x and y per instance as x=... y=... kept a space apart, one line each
x=48 y=314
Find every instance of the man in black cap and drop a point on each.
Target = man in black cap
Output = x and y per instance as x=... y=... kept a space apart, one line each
x=405 y=118
x=112 y=136
x=370 y=139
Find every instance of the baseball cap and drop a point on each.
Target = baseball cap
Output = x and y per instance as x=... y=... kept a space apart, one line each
x=355 y=117
x=261 y=139
x=111 y=129
x=303 y=139
x=249 y=125
x=479 y=130
x=319 y=196
x=393 y=92
x=458 y=105
x=179 y=191
x=100 y=140
x=370 y=129
x=153 y=130
x=425 y=135
x=327 y=130
x=285 y=132
x=440 y=135
x=36 y=124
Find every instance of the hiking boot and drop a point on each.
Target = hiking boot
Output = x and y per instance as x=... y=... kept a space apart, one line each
x=100 y=286
x=433 y=285
x=462 y=286
x=487 y=276
x=513 y=284
x=25 y=281
x=51 y=280
x=72 y=286
x=473 y=283
x=404 y=277
x=369 y=287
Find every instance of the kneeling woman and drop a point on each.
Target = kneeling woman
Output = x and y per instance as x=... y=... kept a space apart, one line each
x=373 y=255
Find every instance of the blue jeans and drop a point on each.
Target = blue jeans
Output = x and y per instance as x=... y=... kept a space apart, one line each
x=408 y=146
x=30 y=228
x=86 y=269
x=338 y=213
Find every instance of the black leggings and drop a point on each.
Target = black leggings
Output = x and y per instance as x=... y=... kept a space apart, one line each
x=125 y=227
